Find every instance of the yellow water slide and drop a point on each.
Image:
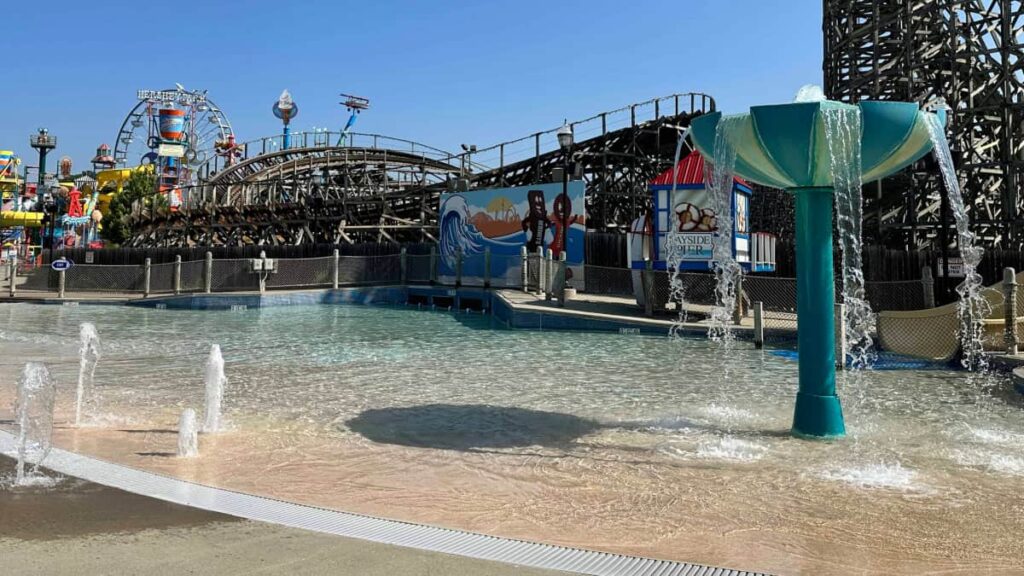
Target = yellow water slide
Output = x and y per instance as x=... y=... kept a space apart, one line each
x=11 y=219
x=933 y=333
x=111 y=182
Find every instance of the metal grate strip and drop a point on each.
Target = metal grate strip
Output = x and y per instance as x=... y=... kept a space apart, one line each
x=422 y=537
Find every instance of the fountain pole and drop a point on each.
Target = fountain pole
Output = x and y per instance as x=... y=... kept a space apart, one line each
x=818 y=412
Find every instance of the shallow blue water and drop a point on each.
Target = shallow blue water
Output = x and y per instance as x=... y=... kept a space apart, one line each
x=337 y=368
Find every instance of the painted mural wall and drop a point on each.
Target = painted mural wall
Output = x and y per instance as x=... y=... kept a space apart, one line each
x=506 y=219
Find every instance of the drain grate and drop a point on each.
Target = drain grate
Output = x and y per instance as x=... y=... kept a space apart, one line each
x=419 y=536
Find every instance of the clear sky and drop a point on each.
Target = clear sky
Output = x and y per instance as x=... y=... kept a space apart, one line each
x=440 y=72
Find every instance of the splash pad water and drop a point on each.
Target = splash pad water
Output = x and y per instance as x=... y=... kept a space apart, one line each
x=603 y=441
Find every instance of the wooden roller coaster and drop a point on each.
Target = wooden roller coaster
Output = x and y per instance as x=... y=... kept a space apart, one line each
x=378 y=188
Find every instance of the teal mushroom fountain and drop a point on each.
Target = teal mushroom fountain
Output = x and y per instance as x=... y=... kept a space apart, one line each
x=786 y=146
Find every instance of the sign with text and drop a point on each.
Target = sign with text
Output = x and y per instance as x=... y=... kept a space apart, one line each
x=695 y=245
x=956 y=268
x=180 y=96
x=171 y=150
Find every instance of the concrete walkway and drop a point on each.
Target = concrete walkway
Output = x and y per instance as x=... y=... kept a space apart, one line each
x=78 y=527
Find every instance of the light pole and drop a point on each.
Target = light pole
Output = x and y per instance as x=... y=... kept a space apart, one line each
x=50 y=206
x=565 y=142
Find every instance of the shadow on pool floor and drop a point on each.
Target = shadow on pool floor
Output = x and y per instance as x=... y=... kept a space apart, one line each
x=470 y=427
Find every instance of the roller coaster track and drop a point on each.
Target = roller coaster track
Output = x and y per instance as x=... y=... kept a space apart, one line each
x=378 y=188
x=270 y=159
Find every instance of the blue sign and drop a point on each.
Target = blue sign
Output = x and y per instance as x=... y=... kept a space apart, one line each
x=61 y=264
x=504 y=220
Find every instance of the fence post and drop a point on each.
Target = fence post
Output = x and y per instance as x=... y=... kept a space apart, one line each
x=540 y=270
x=177 y=274
x=335 y=262
x=561 y=278
x=60 y=283
x=403 y=264
x=758 y=325
x=1010 y=309
x=433 y=264
x=647 y=285
x=458 y=266
x=487 y=267
x=13 y=275
x=147 y=274
x=525 y=272
x=208 y=272
x=737 y=313
x=928 y=285
x=549 y=273
x=263 y=271
x=840 y=314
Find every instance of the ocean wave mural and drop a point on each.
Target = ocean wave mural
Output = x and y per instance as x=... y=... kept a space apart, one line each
x=503 y=221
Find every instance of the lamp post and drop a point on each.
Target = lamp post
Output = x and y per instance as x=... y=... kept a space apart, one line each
x=50 y=206
x=565 y=142
x=466 y=158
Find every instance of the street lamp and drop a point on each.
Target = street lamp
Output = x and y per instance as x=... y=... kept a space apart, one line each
x=467 y=157
x=565 y=137
x=50 y=209
x=565 y=141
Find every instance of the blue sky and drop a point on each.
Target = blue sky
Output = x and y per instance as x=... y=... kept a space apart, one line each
x=439 y=72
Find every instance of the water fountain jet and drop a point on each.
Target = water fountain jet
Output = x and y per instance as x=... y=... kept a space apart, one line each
x=33 y=412
x=188 y=434
x=215 y=381
x=88 y=357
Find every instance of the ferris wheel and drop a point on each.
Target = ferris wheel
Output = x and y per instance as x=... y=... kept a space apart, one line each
x=139 y=137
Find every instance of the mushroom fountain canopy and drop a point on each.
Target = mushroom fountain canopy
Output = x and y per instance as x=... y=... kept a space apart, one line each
x=785 y=145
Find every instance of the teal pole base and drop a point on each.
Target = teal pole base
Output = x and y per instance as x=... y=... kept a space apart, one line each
x=817 y=413
x=818 y=417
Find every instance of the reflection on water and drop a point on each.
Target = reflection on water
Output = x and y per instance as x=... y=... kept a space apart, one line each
x=636 y=444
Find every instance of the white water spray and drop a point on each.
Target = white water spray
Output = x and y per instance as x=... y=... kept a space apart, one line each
x=973 y=308
x=843 y=133
x=674 y=246
x=188 y=434
x=810 y=93
x=88 y=357
x=719 y=178
x=33 y=410
x=215 y=381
